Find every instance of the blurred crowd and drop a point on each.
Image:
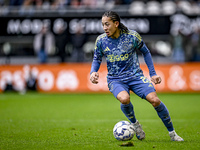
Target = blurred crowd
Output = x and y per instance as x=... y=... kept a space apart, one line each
x=47 y=43
x=183 y=48
x=78 y=3
x=186 y=48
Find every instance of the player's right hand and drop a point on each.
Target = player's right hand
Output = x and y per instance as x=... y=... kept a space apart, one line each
x=94 y=77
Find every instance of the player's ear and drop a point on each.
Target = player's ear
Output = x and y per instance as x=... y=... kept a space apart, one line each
x=116 y=24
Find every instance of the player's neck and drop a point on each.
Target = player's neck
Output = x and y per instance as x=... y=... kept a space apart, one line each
x=116 y=34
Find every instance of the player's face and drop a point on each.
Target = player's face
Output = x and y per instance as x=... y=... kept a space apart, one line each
x=110 y=27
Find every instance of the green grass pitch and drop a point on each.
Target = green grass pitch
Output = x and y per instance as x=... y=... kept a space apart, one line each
x=37 y=121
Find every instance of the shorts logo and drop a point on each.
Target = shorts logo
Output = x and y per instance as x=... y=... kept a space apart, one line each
x=145 y=80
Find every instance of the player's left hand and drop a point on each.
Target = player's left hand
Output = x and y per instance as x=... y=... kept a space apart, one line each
x=156 y=79
x=94 y=77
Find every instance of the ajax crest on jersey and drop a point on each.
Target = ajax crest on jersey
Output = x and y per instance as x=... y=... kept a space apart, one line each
x=123 y=131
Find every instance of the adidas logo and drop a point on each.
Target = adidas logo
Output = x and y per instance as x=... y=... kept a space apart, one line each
x=150 y=85
x=107 y=49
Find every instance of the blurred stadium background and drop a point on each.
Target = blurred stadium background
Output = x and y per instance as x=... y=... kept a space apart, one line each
x=170 y=28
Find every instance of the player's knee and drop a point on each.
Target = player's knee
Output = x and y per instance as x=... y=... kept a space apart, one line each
x=124 y=98
x=153 y=99
x=156 y=101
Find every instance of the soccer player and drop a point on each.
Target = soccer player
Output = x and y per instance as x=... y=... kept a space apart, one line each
x=118 y=44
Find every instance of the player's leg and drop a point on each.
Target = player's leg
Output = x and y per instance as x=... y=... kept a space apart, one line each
x=145 y=89
x=163 y=113
x=127 y=109
x=126 y=105
x=161 y=109
x=121 y=92
x=140 y=86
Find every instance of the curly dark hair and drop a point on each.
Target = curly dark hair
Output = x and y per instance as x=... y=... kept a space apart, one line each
x=115 y=17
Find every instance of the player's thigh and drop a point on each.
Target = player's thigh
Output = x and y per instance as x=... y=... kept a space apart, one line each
x=117 y=87
x=142 y=86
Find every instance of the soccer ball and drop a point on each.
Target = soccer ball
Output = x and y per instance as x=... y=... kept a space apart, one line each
x=123 y=131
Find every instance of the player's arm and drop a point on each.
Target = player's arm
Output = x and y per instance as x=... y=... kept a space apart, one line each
x=94 y=75
x=148 y=60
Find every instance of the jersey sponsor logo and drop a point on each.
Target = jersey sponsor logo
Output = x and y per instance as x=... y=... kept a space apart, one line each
x=113 y=58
